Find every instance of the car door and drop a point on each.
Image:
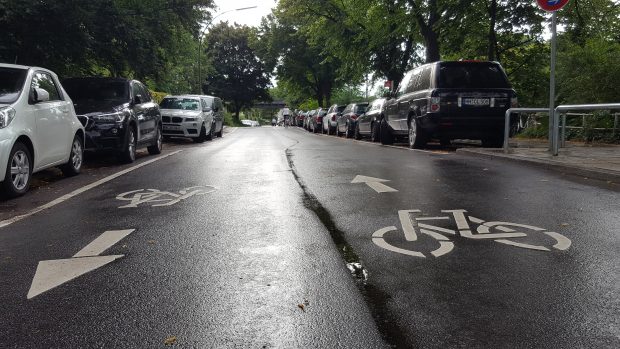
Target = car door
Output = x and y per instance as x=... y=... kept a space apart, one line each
x=364 y=120
x=53 y=131
x=141 y=110
x=405 y=101
x=393 y=114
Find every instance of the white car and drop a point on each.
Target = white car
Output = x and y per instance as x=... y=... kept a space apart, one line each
x=194 y=116
x=38 y=127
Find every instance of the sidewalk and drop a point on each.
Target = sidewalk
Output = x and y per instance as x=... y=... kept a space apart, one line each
x=598 y=161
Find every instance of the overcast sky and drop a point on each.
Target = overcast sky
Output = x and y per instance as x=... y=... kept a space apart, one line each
x=249 y=17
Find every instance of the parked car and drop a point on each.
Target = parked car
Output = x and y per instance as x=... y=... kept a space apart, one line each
x=300 y=118
x=368 y=123
x=119 y=115
x=38 y=127
x=347 y=121
x=197 y=117
x=330 y=119
x=308 y=117
x=250 y=123
x=450 y=100
x=316 y=122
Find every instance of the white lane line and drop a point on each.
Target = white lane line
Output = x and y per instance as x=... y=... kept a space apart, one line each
x=103 y=242
x=79 y=191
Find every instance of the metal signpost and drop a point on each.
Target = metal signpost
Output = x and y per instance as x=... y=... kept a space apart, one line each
x=552 y=6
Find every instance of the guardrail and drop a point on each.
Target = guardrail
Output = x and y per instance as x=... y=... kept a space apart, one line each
x=507 y=121
x=564 y=127
x=555 y=141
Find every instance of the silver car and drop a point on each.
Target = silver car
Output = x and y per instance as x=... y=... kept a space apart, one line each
x=194 y=116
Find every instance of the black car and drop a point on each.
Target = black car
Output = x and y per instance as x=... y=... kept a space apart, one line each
x=118 y=114
x=347 y=121
x=450 y=100
x=369 y=122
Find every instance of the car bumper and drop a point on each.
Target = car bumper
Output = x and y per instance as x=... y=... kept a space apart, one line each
x=470 y=127
x=186 y=129
x=102 y=137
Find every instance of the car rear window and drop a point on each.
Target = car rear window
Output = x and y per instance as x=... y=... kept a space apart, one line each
x=11 y=84
x=360 y=108
x=472 y=75
x=97 y=89
x=341 y=108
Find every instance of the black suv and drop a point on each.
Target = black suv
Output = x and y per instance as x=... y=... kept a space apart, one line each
x=450 y=100
x=118 y=114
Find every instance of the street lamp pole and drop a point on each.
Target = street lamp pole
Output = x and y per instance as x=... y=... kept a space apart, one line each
x=201 y=33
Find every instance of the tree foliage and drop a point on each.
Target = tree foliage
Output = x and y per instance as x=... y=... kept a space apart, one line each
x=236 y=74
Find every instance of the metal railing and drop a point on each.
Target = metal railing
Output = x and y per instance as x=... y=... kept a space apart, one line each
x=555 y=141
x=583 y=126
x=507 y=121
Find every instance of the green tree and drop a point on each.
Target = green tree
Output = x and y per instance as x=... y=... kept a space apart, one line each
x=236 y=74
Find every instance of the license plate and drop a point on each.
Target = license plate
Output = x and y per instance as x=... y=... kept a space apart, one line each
x=476 y=101
x=172 y=128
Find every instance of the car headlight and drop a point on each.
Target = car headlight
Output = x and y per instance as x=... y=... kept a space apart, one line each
x=6 y=116
x=111 y=117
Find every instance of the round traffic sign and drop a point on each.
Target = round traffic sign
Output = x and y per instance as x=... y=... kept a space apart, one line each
x=551 y=5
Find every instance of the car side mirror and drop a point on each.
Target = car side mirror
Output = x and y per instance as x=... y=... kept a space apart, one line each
x=137 y=99
x=39 y=95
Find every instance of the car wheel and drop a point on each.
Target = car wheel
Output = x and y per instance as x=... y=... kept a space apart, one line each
x=18 y=172
x=374 y=133
x=417 y=138
x=76 y=158
x=357 y=133
x=221 y=133
x=156 y=147
x=385 y=135
x=202 y=136
x=128 y=155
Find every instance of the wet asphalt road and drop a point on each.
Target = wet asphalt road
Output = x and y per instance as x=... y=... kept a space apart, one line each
x=278 y=226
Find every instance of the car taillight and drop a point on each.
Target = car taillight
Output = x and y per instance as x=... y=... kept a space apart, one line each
x=434 y=104
x=333 y=117
x=354 y=116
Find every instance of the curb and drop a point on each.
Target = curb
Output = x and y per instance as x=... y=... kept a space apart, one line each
x=599 y=174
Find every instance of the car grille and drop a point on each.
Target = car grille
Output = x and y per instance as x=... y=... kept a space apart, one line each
x=173 y=132
x=177 y=119
x=165 y=119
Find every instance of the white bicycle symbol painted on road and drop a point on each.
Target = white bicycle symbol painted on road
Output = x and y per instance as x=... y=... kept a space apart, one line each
x=160 y=198
x=501 y=232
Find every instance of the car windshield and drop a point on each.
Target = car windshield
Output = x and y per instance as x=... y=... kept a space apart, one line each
x=11 y=84
x=180 y=103
x=472 y=76
x=97 y=89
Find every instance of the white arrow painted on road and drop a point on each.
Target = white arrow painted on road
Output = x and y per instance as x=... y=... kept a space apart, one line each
x=374 y=183
x=53 y=273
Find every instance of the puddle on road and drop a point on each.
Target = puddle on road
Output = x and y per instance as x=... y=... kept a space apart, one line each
x=376 y=299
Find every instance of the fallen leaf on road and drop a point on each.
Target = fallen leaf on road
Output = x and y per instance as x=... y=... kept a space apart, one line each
x=302 y=307
x=170 y=340
x=485 y=169
x=564 y=225
x=151 y=242
x=544 y=180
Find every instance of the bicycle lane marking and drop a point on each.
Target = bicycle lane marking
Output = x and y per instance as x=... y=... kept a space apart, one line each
x=482 y=231
x=84 y=189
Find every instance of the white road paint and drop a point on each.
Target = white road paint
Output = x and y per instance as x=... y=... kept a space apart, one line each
x=79 y=191
x=54 y=273
x=159 y=198
x=375 y=183
x=377 y=238
x=483 y=231
x=408 y=224
x=103 y=242
x=563 y=243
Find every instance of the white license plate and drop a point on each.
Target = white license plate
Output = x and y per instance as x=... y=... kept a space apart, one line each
x=476 y=101
x=172 y=128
